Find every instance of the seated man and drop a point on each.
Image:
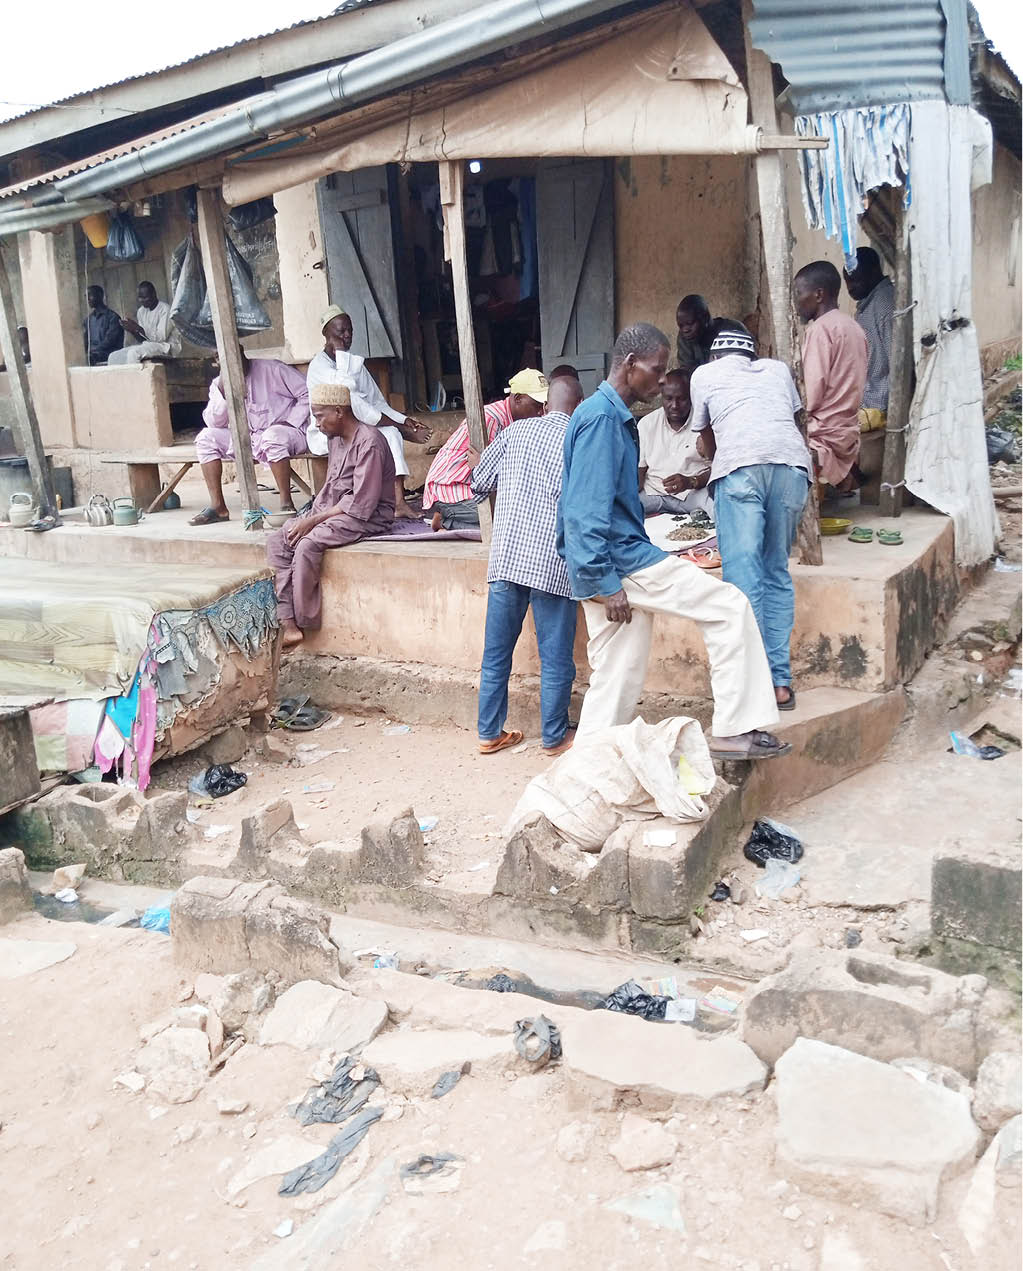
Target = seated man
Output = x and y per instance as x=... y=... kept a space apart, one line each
x=874 y=294
x=695 y=332
x=337 y=364
x=157 y=335
x=673 y=475
x=104 y=333
x=276 y=408
x=448 y=489
x=356 y=501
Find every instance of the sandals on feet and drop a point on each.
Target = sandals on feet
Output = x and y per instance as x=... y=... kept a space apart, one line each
x=789 y=703
x=208 y=517
x=508 y=738
x=760 y=746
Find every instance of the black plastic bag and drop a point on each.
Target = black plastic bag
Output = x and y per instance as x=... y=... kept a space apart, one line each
x=537 y=1040
x=190 y=304
x=321 y=1169
x=337 y=1098
x=631 y=999
x=772 y=841
x=219 y=779
x=249 y=215
x=500 y=983
x=123 y=242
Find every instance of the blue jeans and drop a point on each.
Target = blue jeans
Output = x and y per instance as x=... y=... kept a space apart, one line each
x=554 y=617
x=757 y=512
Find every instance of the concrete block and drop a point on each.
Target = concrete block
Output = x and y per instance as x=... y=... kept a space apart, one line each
x=91 y=823
x=410 y=1061
x=227 y=747
x=121 y=408
x=174 y=1063
x=642 y=1144
x=868 y=1003
x=864 y=1132
x=17 y=758
x=15 y=892
x=160 y=841
x=539 y=864
x=996 y=1094
x=221 y=925
x=978 y=901
x=315 y=1016
x=271 y=827
x=393 y=852
x=235 y=998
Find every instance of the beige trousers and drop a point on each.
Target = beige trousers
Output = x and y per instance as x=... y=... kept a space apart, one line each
x=618 y=651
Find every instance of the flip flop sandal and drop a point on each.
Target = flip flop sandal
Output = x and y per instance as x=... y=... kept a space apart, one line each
x=507 y=738
x=761 y=746
x=889 y=538
x=296 y=715
x=42 y=525
x=861 y=534
x=208 y=517
x=789 y=703
x=702 y=557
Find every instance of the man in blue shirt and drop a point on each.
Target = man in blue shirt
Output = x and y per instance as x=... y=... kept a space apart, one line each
x=623 y=579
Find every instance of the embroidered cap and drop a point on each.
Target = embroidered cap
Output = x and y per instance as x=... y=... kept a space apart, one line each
x=328 y=315
x=734 y=342
x=330 y=395
x=532 y=383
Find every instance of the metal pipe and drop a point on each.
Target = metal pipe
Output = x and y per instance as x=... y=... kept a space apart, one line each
x=51 y=216
x=468 y=37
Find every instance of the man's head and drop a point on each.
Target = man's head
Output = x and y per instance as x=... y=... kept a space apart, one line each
x=867 y=274
x=331 y=406
x=564 y=369
x=527 y=393
x=692 y=317
x=336 y=326
x=94 y=296
x=675 y=396
x=815 y=289
x=639 y=361
x=564 y=394
x=146 y=296
x=732 y=337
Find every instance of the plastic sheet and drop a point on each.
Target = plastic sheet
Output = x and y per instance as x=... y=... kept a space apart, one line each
x=338 y=1098
x=321 y=1169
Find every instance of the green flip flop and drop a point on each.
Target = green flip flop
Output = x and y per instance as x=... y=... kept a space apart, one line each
x=861 y=534
x=890 y=538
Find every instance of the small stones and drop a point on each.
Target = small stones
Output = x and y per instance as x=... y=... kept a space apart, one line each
x=642 y=1144
x=232 y=1107
x=575 y=1141
x=792 y=1213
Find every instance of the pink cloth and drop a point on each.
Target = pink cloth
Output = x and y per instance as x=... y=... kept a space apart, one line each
x=276 y=407
x=834 y=373
x=143 y=734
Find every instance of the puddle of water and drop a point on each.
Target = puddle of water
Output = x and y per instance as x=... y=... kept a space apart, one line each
x=77 y=911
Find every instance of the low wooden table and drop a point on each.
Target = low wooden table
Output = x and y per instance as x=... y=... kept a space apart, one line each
x=144 y=483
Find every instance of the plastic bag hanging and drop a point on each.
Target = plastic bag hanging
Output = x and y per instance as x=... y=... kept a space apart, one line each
x=123 y=242
x=249 y=215
x=190 y=304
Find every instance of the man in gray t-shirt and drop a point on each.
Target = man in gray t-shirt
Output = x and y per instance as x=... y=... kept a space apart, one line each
x=745 y=409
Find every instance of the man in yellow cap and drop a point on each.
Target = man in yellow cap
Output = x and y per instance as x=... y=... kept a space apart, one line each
x=448 y=489
x=356 y=501
x=337 y=364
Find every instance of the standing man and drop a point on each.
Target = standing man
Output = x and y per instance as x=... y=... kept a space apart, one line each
x=874 y=294
x=673 y=475
x=834 y=373
x=524 y=463
x=104 y=333
x=157 y=335
x=623 y=580
x=356 y=501
x=695 y=332
x=745 y=409
x=448 y=489
x=276 y=408
x=337 y=364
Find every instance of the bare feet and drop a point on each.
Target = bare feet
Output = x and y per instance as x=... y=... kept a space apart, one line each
x=402 y=512
x=436 y=522
x=289 y=507
x=562 y=746
x=292 y=634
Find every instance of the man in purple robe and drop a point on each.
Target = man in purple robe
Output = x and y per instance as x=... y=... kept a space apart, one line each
x=356 y=501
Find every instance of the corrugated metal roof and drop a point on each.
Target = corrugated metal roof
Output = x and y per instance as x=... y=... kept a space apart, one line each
x=864 y=52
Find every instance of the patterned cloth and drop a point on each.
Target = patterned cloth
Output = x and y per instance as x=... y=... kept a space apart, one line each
x=448 y=480
x=874 y=313
x=524 y=464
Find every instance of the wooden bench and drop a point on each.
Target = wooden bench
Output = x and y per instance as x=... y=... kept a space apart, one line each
x=145 y=485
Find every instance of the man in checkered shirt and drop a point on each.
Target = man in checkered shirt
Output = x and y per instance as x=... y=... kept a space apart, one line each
x=524 y=464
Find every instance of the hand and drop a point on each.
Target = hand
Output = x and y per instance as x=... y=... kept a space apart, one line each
x=297 y=528
x=677 y=483
x=131 y=326
x=415 y=430
x=617 y=607
x=472 y=456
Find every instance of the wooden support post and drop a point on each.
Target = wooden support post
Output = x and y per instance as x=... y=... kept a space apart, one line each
x=232 y=373
x=777 y=241
x=900 y=383
x=452 y=183
x=26 y=425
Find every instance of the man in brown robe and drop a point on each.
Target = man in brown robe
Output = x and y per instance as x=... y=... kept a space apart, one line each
x=356 y=501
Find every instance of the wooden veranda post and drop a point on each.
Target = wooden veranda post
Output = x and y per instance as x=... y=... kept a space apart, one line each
x=232 y=373
x=26 y=425
x=900 y=382
x=452 y=183
x=777 y=244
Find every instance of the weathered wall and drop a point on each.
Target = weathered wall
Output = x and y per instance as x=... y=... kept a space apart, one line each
x=303 y=288
x=996 y=263
x=53 y=315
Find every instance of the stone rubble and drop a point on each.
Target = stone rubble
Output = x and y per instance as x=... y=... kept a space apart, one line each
x=314 y=1016
x=996 y=1092
x=15 y=892
x=642 y=1144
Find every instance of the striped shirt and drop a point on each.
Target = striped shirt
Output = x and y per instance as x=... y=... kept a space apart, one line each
x=448 y=478
x=525 y=465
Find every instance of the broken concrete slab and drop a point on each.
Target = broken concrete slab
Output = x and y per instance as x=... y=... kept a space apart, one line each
x=864 y=875
x=659 y=1205
x=1009 y=1142
x=642 y=1144
x=868 y=1003
x=996 y=1092
x=868 y=1133
x=24 y=957
x=975 y=908
x=15 y=891
x=315 y=1016
x=68 y=876
x=174 y=1063
x=227 y=747
x=539 y=864
x=393 y=852
x=410 y=1061
x=273 y=1159
x=989 y=1214
x=221 y=925
x=237 y=998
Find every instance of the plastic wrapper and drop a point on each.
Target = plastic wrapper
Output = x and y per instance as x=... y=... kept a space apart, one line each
x=771 y=840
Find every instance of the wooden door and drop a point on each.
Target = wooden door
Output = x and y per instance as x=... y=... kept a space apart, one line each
x=575 y=243
x=355 y=214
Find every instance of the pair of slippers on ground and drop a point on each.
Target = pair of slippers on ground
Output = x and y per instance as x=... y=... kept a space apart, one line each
x=864 y=534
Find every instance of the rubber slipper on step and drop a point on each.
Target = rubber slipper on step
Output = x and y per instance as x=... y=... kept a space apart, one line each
x=703 y=557
x=789 y=703
x=889 y=538
x=760 y=746
x=507 y=738
x=861 y=534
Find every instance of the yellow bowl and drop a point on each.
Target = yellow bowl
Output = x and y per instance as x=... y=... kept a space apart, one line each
x=834 y=525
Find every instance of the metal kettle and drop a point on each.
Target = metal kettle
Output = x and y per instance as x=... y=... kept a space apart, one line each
x=99 y=511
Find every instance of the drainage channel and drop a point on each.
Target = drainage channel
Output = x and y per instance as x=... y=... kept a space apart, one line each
x=77 y=911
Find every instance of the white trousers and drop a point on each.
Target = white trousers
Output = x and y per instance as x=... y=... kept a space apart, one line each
x=317 y=444
x=618 y=651
x=136 y=352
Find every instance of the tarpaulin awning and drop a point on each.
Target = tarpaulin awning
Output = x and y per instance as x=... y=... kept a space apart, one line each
x=663 y=88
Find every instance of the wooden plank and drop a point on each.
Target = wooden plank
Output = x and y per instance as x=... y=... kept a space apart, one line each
x=232 y=374
x=144 y=484
x=452 y=185
x=157 y=504
x=900 y=382
x=26 y=424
